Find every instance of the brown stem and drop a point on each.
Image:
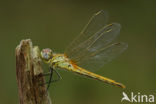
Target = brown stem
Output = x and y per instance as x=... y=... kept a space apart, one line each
x=28 y=73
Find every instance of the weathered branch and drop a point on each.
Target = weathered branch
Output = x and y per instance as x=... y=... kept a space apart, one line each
x=29 y=75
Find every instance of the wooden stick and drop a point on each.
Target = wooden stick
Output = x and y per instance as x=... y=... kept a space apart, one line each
x=29 y=75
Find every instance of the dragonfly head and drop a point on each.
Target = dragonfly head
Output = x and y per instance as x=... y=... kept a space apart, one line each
x=46 y=55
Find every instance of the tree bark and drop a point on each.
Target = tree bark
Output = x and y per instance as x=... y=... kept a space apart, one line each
x=29 y=75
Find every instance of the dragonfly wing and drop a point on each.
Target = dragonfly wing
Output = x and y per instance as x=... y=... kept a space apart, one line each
x=90 y=48
x=97 y=22
x=95 y=60
x=97 y=41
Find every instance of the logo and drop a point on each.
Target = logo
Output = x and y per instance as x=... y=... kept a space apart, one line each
x=137 y=97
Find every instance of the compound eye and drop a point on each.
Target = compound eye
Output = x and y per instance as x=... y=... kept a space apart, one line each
x=46 y=54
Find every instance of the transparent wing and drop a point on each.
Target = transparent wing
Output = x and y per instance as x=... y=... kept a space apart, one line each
x=95 y=60
x=90 y=48
x=99 y=40
x=97 y=22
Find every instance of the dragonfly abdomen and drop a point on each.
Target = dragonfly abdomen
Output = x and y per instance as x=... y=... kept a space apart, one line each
x=96 y=76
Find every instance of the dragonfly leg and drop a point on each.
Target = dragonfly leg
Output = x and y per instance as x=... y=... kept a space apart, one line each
x=46 y=74
x=50 y=73
x=58 y=75
x=50 y=79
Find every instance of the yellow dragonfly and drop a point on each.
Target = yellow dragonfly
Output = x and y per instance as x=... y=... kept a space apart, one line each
x=89 y=51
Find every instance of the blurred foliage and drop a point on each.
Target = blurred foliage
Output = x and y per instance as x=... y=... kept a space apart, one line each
x=54 y=24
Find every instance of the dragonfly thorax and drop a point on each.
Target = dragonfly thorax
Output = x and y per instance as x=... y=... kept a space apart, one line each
x=55 y=60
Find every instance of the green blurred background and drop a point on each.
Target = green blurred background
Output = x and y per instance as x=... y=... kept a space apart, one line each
x=54 y=24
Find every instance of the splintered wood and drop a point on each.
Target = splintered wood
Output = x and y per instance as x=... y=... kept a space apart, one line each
x=29 y=75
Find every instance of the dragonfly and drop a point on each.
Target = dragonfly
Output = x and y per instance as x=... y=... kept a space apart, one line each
x=90 y=50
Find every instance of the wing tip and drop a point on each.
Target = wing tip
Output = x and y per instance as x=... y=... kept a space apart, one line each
x=121 y=44
x=101 y=12
x=116 y=24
